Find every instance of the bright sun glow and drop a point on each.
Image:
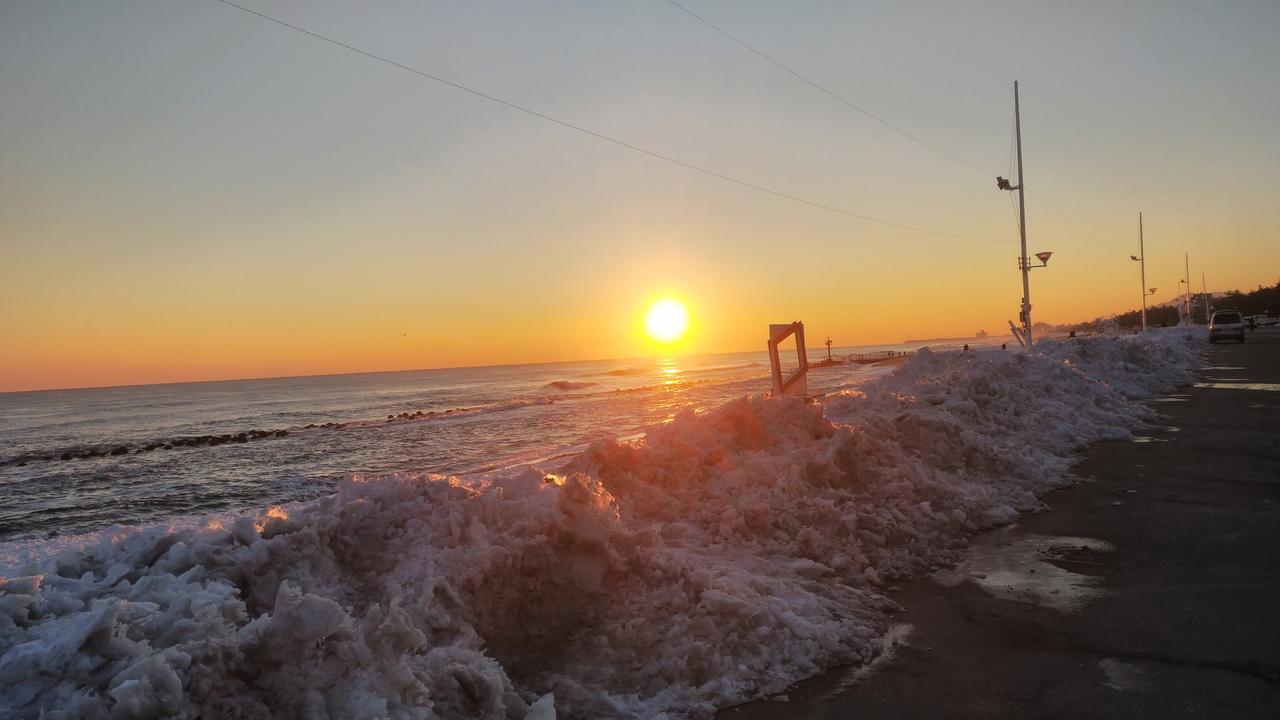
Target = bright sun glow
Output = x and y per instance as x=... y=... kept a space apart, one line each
x=666 y=321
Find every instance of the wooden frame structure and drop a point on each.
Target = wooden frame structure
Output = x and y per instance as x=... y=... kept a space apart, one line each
x=795 y=383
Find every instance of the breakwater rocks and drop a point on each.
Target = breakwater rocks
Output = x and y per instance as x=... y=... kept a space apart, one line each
x=112 y=450
x=87 y=452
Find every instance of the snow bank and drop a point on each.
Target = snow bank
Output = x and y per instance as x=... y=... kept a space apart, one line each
x=721 y=558
x=1139 y=366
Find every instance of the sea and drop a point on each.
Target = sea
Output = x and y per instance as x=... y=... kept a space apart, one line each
x=77 y=461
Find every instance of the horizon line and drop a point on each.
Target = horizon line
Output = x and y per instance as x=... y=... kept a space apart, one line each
x=441 y=368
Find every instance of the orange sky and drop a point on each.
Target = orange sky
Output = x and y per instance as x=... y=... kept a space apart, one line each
x=188 y=194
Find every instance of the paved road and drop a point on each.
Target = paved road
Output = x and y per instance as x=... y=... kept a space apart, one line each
x=1181 y=535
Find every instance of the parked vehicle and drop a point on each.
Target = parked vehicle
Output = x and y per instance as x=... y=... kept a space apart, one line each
x=1226 y=324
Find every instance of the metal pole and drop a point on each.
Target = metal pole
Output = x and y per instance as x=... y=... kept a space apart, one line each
x=1142 y=261
x=1187 y=258
x=1205 y=285
x=1022 y=224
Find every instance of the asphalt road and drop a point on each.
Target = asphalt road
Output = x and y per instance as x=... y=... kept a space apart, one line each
x=1151 y=589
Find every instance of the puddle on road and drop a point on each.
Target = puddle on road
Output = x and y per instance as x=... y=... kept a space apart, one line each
x=1270 y=387
x=1021 y=568
x=1123 y=676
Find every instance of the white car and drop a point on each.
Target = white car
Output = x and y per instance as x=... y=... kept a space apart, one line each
x=1226 y=324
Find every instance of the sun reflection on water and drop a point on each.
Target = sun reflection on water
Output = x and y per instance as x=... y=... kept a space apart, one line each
x=669 y=370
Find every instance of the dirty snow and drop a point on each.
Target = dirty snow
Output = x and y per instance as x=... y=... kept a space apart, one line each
x=720 y=558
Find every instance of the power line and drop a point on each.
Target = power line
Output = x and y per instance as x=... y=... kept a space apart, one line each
x=849 y=103
x=836 y=96
x=1059 y=213
x=597 y=135
x=1013 y=137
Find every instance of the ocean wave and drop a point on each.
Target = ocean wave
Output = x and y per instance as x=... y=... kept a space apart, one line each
x=570 y=384
x=721 y=368
x=117 y=449
x=623 y=372
x=720 y=558
x=432 y=415
x=654 y=369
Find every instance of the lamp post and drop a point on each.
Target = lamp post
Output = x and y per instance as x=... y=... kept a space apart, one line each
x=1141 y=259
x=1184 y=305
x=1187 y=258
x=1204 y=284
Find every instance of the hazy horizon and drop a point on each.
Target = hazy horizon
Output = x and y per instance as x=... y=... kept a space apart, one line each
x=812 y=351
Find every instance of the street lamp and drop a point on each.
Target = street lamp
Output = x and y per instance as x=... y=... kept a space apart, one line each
x=1043 y=257
x=1184 y=305
x=1145 y=290
x=1141 y=259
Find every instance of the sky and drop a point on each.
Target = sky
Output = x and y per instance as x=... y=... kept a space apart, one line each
x=190 y=192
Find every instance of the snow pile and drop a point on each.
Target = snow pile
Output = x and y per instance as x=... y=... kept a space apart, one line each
x=1137 y=365
x=721 y=558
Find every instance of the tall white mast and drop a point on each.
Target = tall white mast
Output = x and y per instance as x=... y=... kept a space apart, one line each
x=1142 y=261
x=1022 y=224
x=1187 y=258
x=1205 y=286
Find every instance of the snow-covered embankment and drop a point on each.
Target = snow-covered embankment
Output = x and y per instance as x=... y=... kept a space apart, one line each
x=721 y=558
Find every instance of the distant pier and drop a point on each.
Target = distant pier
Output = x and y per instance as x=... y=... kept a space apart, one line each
x=875 y=357
x=867 y=358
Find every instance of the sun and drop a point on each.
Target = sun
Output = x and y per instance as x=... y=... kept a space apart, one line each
x=666 y=321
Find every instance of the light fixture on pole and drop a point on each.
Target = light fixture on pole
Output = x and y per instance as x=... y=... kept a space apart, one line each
x=1141 y=259
x=1043 y=257
x=1184 y=315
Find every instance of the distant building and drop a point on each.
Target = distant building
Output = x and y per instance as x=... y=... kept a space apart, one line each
x=980 y=333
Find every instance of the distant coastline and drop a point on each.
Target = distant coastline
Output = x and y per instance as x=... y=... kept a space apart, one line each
x=946 y=339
